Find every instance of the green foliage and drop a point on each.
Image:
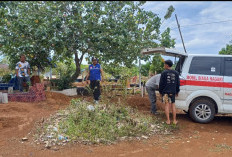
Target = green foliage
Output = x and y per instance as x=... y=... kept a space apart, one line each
x=118 y=70
x=109 y=30
x=227 y=50
x=64 y=82
x=145 y=69
x=65 y=71
x=157 y=64
x=169 y=12
x=24 y=31
x=114 y=70
x=6 y=78
x=84 y=66
x=122 y=73
x=166 y=40
x=4 y=60
x=104 y=124
x=65 y=67
x=5 y=71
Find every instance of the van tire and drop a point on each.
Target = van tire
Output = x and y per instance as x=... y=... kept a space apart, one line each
x=202 y=111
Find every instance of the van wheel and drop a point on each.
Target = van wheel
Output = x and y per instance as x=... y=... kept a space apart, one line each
x=202 y=111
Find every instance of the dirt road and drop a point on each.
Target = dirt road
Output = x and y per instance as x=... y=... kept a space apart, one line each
x=191 y=139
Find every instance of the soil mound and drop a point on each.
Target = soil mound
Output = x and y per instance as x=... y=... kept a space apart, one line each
x=57 y=98
x=143 y=103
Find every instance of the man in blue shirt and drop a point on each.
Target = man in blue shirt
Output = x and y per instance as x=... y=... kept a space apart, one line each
x=94 y=75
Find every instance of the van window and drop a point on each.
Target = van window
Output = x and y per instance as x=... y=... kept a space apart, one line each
x=228 y=67
x=205 y=66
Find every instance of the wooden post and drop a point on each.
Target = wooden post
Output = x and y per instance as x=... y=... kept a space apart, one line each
x=142 y=90
x=119 y=101
x=180 y=33
x=1 y=97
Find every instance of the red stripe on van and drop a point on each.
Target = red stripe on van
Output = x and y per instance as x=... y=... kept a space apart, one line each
x=205 y=83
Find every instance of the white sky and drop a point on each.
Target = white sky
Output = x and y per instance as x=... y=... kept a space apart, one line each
x=198 y=39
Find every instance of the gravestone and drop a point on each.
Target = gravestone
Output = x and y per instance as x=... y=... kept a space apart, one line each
x=10 y=90
x=5 y=98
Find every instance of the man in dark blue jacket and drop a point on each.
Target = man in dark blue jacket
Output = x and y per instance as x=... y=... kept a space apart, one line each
x=95 y=75
x=169 y=87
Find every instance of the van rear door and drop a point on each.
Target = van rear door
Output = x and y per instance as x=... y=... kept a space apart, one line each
x=179 y=66
x=227 y=85
x=168 y=52
x=163 y=51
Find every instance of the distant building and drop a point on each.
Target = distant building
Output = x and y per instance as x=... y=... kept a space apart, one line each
x=4 y=66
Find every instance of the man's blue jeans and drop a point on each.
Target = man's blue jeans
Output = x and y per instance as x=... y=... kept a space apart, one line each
x=21 y=80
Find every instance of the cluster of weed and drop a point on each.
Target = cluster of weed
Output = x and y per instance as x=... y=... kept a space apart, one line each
x=104 y=123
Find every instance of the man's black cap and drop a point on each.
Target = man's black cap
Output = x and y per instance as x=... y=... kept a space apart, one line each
x=169 y=63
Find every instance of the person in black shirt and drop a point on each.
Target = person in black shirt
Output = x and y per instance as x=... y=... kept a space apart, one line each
x=169 y=87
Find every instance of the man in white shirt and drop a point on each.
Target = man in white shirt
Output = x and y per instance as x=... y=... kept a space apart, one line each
x=151 y=86
x=22 y=72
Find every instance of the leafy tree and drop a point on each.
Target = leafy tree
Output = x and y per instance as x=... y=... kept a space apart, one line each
x=119 y=71
x=157 y=65
x=25 y=31
x=145 y=69
x=64 y=71
x=5 y=72
x=64 y=68
x=227 y=50
x=113 y=31
x=166 y=40
x=169 y=12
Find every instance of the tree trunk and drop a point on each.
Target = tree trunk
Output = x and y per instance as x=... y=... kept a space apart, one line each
x=78 y=67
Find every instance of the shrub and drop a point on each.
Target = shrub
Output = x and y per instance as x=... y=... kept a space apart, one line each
x=64 y=82
x=6 y=78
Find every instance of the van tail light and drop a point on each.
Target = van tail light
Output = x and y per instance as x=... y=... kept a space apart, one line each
x=182 y=82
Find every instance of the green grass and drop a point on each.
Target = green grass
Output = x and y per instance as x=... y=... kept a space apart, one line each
x=106 y=124
x=220 y=147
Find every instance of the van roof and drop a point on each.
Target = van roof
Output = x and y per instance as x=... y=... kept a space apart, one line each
x=210 y=55
x=173 y=52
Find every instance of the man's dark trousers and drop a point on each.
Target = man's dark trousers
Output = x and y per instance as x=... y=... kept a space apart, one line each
x=95 y=86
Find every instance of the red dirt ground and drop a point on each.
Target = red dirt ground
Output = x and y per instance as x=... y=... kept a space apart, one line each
x=17 y=119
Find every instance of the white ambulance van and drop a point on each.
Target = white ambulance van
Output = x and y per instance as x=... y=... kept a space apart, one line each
x=205 y=83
